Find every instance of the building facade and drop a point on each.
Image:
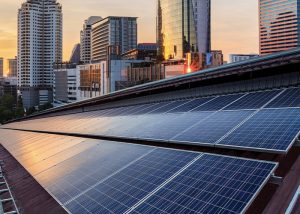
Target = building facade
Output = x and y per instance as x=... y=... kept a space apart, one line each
x=8 y=86
x=241 y=57
x=1 y=67
x=183 y=26
x=279 y=25
x=39 y=46
x=12 y=67
x=86 y=39
x=75 y=55
x=113 y=31
x=64 y=83
x=144 y=51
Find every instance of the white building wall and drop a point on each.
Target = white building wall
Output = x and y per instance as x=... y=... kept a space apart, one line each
x=39 y=46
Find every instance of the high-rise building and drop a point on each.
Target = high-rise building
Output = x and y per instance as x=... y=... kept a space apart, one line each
x=1 y=67
x=279 y=25
x=64 y=83
x=85 y=39
x=12 y=67
x=39 y=46
x=75 y=56
x=183 y=26
x=120 y=32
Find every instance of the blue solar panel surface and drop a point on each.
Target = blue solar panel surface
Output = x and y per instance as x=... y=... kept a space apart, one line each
x=218 y=103
x=204 y=121
x=213 y=184
x=192 y=104
x=213 y=127
x=271 y=129
x=289 y=98
x=253 y=100
x=93 y=176
x=124 y=189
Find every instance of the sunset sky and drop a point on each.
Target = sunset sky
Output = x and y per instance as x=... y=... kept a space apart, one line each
x=234 y=22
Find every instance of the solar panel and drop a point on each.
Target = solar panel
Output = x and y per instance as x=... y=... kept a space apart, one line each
x=164 y=127
x=93 y=176
x=153 y=107
x=213 y=128
x=169 y=107
x=124 y=189
x=253 y=100
x=218 y=103
x=213 y=184
x=192 y=104
x=269 y=129
x=289 y=98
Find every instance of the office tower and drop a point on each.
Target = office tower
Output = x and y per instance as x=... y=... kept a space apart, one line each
x=120 y=32
x=1 y=67
x=279 y=25
x=75 y=56
x=64 y=83
x=12 y=67
x=86 y=37
x=183 y=26
x=39 y=46
x=241 y=57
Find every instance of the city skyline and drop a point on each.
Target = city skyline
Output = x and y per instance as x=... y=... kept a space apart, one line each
x=229 y=31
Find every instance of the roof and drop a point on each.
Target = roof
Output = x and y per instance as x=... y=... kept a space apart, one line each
x=254 y=65
x=221 y=140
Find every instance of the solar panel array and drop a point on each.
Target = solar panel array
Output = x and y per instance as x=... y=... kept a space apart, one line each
x=94 y=176
x=261 y=121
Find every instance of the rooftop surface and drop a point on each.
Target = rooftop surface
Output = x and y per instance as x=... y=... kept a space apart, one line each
x=223 y=140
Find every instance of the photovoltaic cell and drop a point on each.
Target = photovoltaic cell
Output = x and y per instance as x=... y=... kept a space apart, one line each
x=151 y=108
x=289 y=98
x=169 y=107
x=213 y=184
x=192 y=104
x=213 y=128
x=179 y=121
x=166 y=126
x=218 y=103
x=124 y=189
x=273 y=129
x=93 y=176
x=253 y=100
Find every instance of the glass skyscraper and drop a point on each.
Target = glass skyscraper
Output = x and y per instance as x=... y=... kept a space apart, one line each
x=279 y=25
x=183 y=26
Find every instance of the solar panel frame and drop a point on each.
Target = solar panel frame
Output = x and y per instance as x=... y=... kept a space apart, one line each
x=258 y=190
x=219 y=102
x=169 y=107
x=287 y=99
x=192 y=104
x=261 y=148
x=195 y=156
x=256 y=99
x=210 y=125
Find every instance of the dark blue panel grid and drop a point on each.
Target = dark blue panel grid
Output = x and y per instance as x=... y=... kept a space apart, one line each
x=151 y=108
x=272 y=129
x=124 y=189
x=218 y=103
x=289 y=98
x=165 y=127
x=214 y=127
x=192 y=104
x=253 y=100
x=85 y=169
x=169 y=107
x=213 y=184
